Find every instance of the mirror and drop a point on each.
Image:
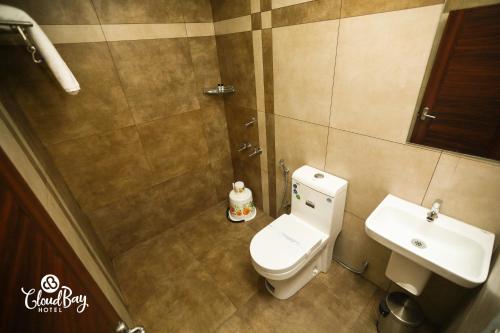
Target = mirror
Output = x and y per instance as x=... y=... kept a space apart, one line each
x=460 y=103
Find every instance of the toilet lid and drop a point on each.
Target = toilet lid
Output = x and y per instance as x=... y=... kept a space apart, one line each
x=284 y=243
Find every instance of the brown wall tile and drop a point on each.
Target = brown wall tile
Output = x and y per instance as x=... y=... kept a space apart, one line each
x=223 y=176
x=57 y=116
x=237 y=67
x=256 y=21
x=197 y=10
x=246 y=168
x=265 y=5
x=236 y=117
x=216 y=132
x=131 y=220
x=174 y=145
x=145 y=11
x=103 y=168
x=312 y=11
x=57 y=12
x=267 y=58
x=357 y=8
x=188 y=195
x=206 y=69
x=157 y=76
x=226 y=9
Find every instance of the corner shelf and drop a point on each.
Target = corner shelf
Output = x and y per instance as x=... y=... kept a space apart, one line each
x=219 y=90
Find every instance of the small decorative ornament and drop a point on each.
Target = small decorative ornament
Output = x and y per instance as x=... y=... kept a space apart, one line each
x=241 y=206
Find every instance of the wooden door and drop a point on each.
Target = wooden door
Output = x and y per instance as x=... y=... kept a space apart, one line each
x=31 y=247
x=463 y=93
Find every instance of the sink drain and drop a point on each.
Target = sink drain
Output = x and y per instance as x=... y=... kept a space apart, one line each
x=418 y=243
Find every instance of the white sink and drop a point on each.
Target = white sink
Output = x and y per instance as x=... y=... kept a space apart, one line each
x=446 y=246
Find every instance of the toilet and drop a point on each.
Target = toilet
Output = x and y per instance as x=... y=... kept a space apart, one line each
x=295 y=247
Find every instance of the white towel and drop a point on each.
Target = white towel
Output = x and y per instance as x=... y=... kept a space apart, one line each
x=43 y=44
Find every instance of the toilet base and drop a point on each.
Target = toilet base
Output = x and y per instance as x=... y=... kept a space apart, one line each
x=283 y=289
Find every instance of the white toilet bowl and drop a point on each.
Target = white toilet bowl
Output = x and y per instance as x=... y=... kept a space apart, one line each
x=294 y=248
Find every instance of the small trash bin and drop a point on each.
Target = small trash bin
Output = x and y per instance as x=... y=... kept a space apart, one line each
x=398 y=313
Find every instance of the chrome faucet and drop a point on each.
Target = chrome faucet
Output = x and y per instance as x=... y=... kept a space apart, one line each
x=432 y=214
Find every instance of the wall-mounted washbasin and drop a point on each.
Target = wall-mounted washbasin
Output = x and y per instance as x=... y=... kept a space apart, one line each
x=453 y=249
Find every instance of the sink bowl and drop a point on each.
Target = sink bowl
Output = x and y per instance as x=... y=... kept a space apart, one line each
x=453 y=249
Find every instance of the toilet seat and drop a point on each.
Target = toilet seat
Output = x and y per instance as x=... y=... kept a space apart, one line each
x=285 y=245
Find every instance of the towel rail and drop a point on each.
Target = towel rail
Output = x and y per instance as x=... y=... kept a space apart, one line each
x=19 y=27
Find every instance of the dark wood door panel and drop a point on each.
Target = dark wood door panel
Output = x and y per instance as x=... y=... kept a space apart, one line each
x=31 y=247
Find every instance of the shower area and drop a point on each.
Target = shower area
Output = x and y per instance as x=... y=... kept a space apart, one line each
x=145 y=154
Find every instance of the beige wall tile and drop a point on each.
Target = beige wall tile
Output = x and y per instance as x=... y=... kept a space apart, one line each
x=57 y=12
x=299 y=143
x=147 y=11
x=117 y=32
x=200 y=29
x=226 y=9
x=261 y=120
x=254 y=6
x=157 y=76
x=265 y=190
x=357 y=8
x=174 y=145
x=375 y=168
x=353 y=247
x=304 y=60
x=266 y=20
x=231 y=26
x=101 y=169
x=73 y=33
x=470 y=190
x=55 y=115
x=380 y=65
x=259 y=69
x=284 y=3
x=461 y=4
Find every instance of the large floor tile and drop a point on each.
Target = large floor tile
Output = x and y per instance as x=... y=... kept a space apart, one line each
x=189 y=302
x=229 y=263
x=198 y=277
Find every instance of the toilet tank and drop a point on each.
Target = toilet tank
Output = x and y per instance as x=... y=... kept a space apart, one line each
x=318 y=198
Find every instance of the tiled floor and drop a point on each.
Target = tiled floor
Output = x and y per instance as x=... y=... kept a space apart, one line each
x=198 y=277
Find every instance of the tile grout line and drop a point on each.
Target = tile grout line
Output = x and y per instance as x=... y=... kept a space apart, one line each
x=333 y=86
x=431 y=179
x=409 y=144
